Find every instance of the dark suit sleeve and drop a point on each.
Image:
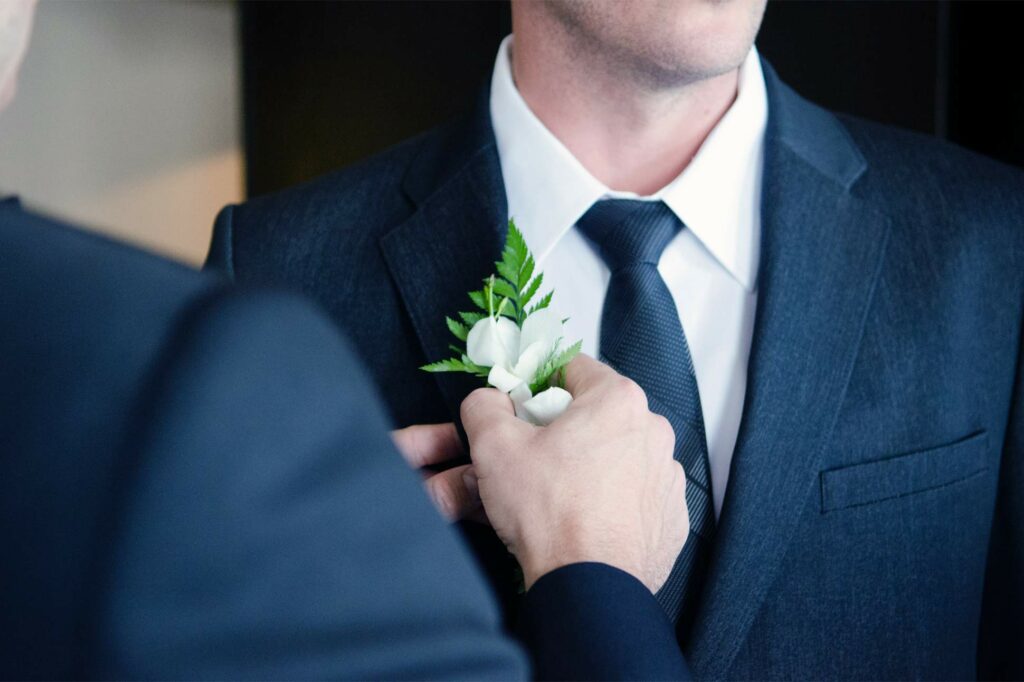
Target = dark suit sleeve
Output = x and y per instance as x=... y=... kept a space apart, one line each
x=221 y=255
x=1000 y=654
x=271 y=531
x=594 y=622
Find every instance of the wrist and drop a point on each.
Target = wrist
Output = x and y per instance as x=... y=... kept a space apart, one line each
x=536 y=564
x=575 y=550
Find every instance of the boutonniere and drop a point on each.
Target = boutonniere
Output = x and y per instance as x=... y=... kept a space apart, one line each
x=517 y=347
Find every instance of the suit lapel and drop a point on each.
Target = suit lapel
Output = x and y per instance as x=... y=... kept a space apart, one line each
x=821 y=254
x=451 y=241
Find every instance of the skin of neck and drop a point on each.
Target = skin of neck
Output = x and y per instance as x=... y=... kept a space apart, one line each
x=632 y=133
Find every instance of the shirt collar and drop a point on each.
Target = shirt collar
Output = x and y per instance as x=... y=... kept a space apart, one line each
x=717 y=196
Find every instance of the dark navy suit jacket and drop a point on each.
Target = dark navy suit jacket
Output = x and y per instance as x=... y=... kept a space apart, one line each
x=197 y=483
x=873 y=524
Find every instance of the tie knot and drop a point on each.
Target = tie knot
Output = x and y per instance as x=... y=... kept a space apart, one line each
x=629 y=231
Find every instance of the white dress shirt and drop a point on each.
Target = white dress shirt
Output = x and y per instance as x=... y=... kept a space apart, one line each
x=710 y=267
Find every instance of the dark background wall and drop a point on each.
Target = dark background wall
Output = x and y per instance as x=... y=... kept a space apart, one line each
x=327 y=84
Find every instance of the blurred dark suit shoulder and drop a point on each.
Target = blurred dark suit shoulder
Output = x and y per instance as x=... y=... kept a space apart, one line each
x=196 y=483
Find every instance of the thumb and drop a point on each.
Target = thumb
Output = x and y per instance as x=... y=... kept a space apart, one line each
x=483 y=408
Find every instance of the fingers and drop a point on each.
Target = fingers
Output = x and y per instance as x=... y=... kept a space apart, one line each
x=451 y=495
x=595 y=385
x=469 y=479
x=584 y=373
x=454 y=491
x=485 y=408
x=425 y=444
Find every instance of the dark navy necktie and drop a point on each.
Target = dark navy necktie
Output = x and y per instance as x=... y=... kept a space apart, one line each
x=642 y=338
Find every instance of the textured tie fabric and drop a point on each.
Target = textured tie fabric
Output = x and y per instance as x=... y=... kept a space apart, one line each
x=642 y=338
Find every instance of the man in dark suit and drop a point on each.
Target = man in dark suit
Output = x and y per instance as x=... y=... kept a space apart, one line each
x=845 y=367
x=196 y=483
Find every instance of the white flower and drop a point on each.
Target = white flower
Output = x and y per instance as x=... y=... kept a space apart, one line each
x=514 y=357
x=545 y=407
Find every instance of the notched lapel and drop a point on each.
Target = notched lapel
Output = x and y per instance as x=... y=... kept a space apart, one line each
x=822 y=252
x=444 y=250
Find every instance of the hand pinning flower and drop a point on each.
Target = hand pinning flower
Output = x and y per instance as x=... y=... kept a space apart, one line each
x=519 y=348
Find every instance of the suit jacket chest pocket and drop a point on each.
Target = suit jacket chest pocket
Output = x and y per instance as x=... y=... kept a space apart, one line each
x=902 y=475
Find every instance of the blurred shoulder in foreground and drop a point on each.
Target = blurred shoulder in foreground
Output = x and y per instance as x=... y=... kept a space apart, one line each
x=196 y=482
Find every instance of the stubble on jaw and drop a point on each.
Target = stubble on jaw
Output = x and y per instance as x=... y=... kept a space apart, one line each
x=652 y=64
x=632 y=106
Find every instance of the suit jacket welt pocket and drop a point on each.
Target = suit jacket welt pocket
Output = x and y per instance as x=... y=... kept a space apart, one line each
x=903 y=475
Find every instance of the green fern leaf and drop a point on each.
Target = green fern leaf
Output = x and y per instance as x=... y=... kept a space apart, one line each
x=551 y=366
x=503 y=288
x=479 y=299
x=531 y=290
x=526 y=273
x=515 y=243
x=479 y=370
x=471 y=318
x=459 y=330
x=507 y=272
x=543 y=303
x=567 y=355
x=449 y=365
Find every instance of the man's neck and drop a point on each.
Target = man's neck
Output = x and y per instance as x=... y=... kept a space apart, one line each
x=629 y=135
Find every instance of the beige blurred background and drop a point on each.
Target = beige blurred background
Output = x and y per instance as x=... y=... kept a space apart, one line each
x=128 y=120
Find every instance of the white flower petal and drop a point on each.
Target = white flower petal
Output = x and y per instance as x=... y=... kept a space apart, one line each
x=520 y=396
x=493 y=342
x=503 y=380
x=544 y=327
x=546 y=406
x=529 y=362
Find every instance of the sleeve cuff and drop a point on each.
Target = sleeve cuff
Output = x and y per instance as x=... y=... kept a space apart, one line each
x=593 y=621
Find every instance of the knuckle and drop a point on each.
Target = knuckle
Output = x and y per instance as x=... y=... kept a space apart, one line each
x=618 y=383
x=679 y=475
x=684 y=508
x=631 y=393
x=473 y=402
x=664 y=432
x=679 y=482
